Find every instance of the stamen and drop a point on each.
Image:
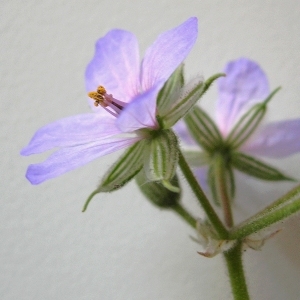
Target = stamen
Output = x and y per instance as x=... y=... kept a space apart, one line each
x=99 y=96
x=110 y=104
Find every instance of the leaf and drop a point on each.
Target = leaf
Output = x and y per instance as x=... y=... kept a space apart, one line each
x=254 y=167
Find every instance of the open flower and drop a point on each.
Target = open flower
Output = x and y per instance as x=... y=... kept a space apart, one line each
x=237 y=133
x=246 y=84
x=123 y=95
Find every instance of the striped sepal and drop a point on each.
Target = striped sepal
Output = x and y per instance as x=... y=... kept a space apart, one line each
x=256 y=168
x=127 y=166
x=170 y=92
x=190 y=94
x=162 y=157
x=203 y=129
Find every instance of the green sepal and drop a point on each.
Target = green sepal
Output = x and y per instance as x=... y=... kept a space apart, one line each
x=221 y=171
x=170 y=92
x=126 y=167
x=161 y=157
x=203 y=129
x=254 y=167
x=279 y=210
x=158 y=194
x=196 y=158
x=211 y=181
x=248 y=123
x=189 y=97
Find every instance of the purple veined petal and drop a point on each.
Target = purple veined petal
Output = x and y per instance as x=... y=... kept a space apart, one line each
x=115 y=65
x=70 y=158
x=167 y=52
x=244 y=85
x=181 y=130
x=278 y=139
x=201 y=175
x=141 y=112
x=71 y=131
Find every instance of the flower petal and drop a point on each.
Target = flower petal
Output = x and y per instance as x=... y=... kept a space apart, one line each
x=278 y=139
x=115 y=65
x=244 y=85
x=70 y=158
x=141 y=112
x=201 y=176
x=167 y=52
x=71 y=131
x=183 y=133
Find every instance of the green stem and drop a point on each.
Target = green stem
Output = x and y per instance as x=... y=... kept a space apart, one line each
x=222 y=190
x=261 y=221
x=180 y=210
x=234 y=263
x=211 y=214
x=284 y=207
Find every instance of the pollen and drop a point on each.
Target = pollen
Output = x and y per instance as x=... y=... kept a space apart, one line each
x=99 y=96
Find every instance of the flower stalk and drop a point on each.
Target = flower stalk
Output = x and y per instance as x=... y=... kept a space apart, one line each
x=222 y=190
x=234 y=263
x=184 y=214
x=204 y=202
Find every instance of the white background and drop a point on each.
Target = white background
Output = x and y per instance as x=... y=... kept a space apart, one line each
x=122 y=247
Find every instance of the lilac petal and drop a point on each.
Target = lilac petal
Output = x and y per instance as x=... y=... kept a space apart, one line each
x=278 y=139
x=71 y=131
x=70 y=158
x=181 y=130
x=244 y=85
x=201 y=175
x=115 y=65
x=167 y=52
x=141 y=112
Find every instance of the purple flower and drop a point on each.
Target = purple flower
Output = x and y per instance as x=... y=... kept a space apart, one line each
x=244 y=86
x=123 y=96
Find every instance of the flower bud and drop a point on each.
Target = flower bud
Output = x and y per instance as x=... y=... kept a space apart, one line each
x=156 y=193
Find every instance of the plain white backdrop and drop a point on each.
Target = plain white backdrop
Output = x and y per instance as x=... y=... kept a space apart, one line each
x=122 y=247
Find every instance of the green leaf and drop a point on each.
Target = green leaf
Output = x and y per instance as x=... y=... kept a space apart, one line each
x=170 y=92
x=126 y=167
x=254 y=167
x=281 y=209
x=248 y=123
x=161 y=157
x=203 y=129
x=156 y=193
x=189 y=96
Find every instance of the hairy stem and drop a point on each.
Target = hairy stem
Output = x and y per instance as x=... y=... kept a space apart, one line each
x=236 y=274
x=210 y=212
x=223 y=190
x=180 y=210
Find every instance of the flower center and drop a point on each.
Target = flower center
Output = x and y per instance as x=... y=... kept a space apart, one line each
x=108 y=102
